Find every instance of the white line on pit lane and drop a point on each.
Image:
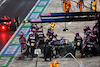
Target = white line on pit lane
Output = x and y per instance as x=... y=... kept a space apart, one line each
x=2 y=2
x=69 y=22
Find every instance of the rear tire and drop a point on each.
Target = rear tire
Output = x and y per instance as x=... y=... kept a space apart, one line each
x=96 y=50
x=13 y=26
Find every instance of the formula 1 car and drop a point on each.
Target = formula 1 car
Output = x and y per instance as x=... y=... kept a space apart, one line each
x=7 y=23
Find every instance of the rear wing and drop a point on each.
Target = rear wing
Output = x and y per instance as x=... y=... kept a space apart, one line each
x=4 y=21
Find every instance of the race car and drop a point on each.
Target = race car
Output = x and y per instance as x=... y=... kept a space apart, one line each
x=7 y=23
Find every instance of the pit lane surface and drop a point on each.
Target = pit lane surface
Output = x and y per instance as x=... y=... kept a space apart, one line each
x=14 y=8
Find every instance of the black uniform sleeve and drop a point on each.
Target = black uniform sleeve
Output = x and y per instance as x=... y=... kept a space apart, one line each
x=75 y=39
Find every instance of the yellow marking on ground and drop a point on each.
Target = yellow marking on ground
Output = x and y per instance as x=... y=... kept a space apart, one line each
x=79 y=57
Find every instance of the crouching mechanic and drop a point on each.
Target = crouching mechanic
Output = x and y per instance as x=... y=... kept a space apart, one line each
x=22 y=41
